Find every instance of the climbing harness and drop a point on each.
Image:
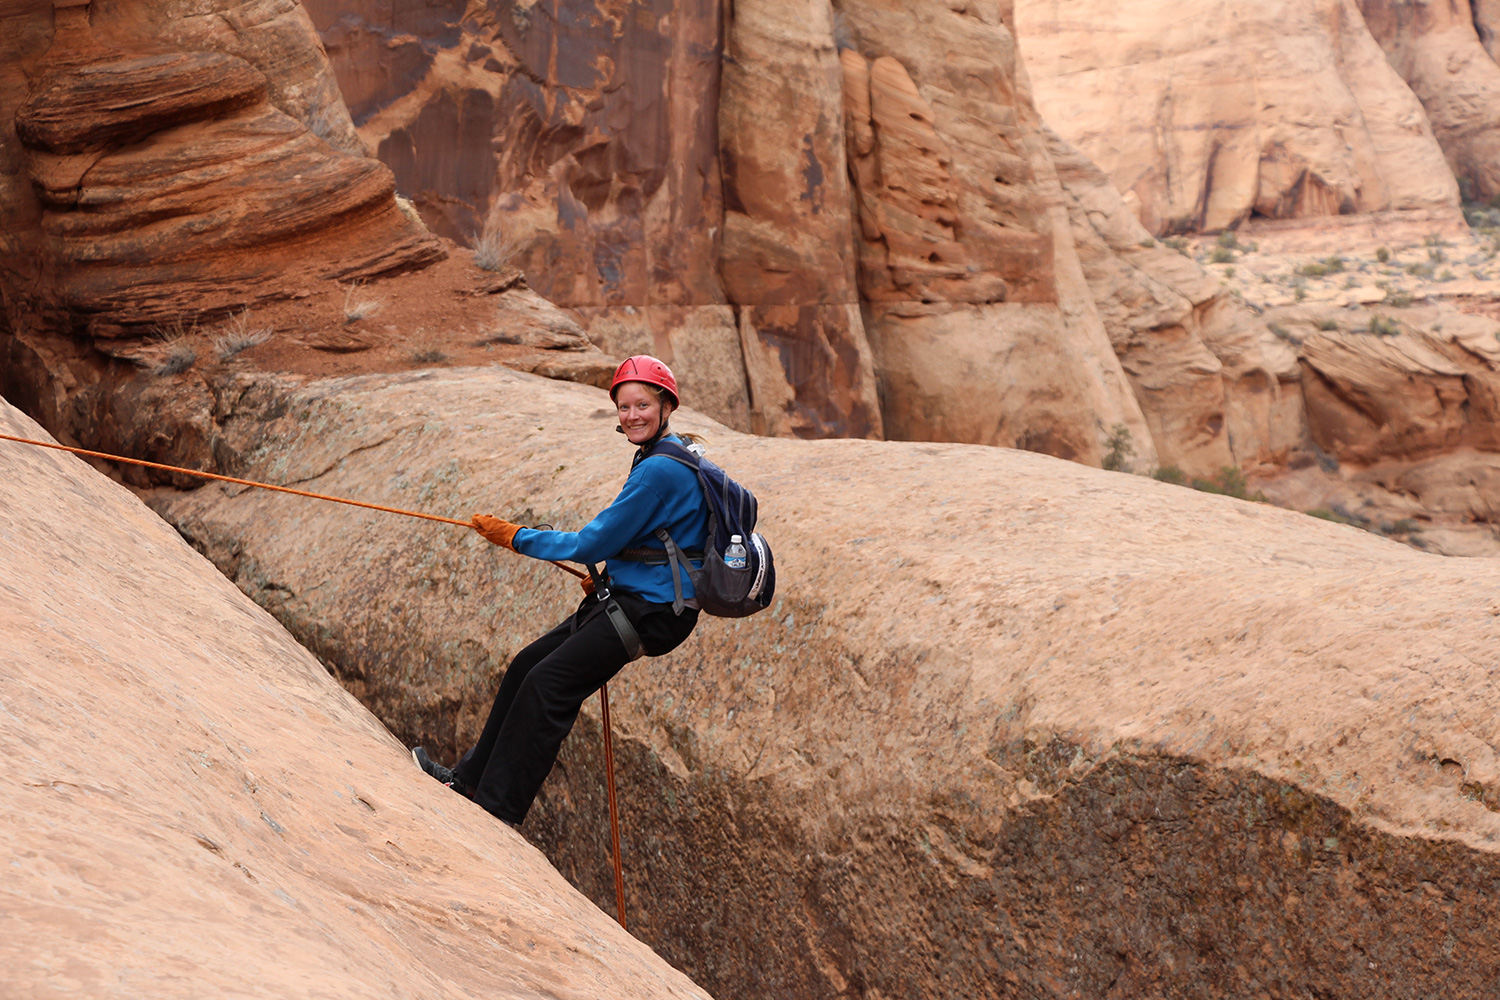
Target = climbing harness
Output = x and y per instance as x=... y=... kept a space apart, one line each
x=613 y=606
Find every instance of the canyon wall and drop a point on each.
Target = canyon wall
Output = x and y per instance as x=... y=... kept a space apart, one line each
x=835 y=220
x=193 y=807
x=1436 y=47
x=1006 y=717
x=1285 y=110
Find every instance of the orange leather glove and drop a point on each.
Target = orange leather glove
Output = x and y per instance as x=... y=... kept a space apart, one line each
x=587 y=583
x=497 y=531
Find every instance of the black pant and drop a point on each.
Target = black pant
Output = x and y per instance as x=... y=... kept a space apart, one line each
x=542 y=691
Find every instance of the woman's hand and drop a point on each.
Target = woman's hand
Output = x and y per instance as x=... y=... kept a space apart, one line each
x=497 y=531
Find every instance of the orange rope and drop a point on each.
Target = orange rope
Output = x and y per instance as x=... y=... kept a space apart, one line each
x=614 y=812
x=609 y=754
x=261 y=486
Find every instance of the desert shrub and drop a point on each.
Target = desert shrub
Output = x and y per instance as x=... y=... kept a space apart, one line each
x=1229 y=481
x=1221 y=255
x=1313 y=269
x=1299 y=294
x=496 y=247
x=1384 y=326
x=1383 y=255
x=179 y=358
x=1119 y=449
x=238 y=335
x=1176 y=243
x=1284 y=334
x=431 y=356
x=176 y=354
x=1328 y=323
x=1337 y=516
x=1397 y=299
x=359 y=304
x=1148 y=242
x=1170 y=474
x=1419 y=270
x=1228 y=240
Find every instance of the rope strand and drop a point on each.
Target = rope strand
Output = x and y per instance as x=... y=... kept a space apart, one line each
x=609 y=757
x=260 y=486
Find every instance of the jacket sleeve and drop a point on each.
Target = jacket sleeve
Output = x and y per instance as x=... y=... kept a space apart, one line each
x=613 y=528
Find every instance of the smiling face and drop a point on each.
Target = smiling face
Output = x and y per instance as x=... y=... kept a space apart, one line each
x=641 y=412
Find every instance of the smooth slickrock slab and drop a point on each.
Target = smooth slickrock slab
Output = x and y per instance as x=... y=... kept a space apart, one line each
x=1015 y=727
x=192 y=807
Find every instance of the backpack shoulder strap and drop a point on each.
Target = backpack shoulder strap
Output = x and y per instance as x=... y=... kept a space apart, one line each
x=675 y=451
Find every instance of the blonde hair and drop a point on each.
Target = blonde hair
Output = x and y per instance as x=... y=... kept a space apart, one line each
x=662 y=396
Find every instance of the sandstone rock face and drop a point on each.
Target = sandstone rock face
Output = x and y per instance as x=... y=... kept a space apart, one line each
x=852 y=228
x=1372 y=398
x=788 y=256
x=153 y=181
x=1487 y=25
x=1436 y=47
x=1217 y=388
x=988 y=754
x=967 y=266
x=161 y=834
x=1277 y=110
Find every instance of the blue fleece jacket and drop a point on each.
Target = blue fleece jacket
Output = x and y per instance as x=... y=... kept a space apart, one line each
x=660 y=492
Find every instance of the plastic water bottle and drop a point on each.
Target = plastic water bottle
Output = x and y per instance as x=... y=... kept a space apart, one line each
x=735 y=555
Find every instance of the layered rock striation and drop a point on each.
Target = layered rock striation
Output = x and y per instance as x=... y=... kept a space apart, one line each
x=990 y=753
x=151 y=179
x=192 y=806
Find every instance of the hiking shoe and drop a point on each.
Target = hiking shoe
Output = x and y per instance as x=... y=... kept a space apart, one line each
x=432 y=767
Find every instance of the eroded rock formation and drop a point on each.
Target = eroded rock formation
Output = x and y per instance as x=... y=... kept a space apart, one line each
x=150 y=179
x=983 y=326
x=1435 y=46
x=852 y=228
x=1216 y=388
x=1274 y=110
x=192 y=806
x=987 y=754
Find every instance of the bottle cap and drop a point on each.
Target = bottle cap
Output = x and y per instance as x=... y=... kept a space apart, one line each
x=735 y=538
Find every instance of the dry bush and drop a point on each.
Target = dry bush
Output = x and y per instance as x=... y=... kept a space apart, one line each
x=238 y=335
x=175 y=354
x=496 y=246
x=359 y=304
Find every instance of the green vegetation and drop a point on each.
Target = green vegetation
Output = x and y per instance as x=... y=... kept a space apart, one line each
x=1383 y=255
x=1221 y=255
x=1328 y=323
x=1384 y=326
x=1119 y=449
x=1336 y=516
x=1284 y=334
x=1228 y=481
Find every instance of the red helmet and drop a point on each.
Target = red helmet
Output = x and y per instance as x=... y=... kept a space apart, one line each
x=645 y=368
